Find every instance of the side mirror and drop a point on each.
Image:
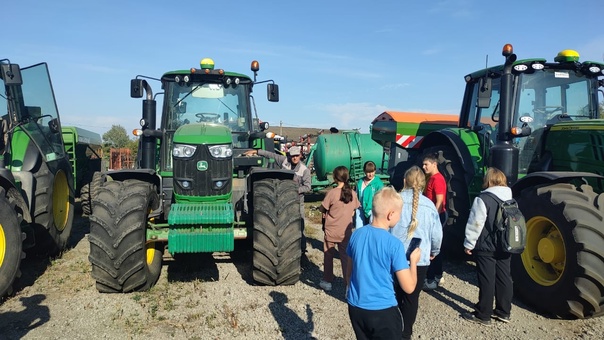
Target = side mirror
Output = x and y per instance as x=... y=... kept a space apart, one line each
x=11 y=74
x=181 y=107
x=484 y=93
x=53 y=125
x=136 y=88
x=272 y=91
x=525 y=130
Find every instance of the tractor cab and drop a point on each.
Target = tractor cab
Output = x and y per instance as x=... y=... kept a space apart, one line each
x=32 y=116
x=542 y=95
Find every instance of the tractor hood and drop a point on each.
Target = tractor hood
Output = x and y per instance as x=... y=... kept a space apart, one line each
x=577 y=146
x=203 y=133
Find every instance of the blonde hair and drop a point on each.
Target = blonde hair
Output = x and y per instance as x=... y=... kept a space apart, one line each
x=415 y=180
x=385 y=200
x=494 y=177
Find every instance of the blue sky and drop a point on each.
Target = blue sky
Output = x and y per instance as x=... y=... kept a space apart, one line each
x=337 y=63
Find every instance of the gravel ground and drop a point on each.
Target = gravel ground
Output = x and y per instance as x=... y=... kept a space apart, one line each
x=213 y=297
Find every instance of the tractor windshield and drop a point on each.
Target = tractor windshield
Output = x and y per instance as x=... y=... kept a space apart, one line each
x=548 y=96
x=33 y=111
x=207 y=103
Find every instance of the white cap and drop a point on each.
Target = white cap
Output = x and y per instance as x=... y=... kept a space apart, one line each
x=294 y=151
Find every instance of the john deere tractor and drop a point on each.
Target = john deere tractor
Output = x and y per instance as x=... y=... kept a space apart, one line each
x=36 y=182
x=539 y=122
x=194 y=191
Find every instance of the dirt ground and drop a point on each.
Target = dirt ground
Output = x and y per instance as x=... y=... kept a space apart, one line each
x=212 y=296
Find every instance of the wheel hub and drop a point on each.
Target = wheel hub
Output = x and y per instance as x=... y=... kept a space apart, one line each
x=545 y=254
x=60 y=200
x=551 y=250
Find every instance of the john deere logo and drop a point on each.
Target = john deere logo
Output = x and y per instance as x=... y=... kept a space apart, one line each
x=202 y=165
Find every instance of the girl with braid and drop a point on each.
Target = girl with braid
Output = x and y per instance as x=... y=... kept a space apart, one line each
x=419 y=218
x=338 y=209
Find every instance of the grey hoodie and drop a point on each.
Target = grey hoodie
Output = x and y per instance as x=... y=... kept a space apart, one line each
x=478 y=215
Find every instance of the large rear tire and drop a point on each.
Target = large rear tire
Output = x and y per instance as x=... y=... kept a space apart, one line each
x=122 y=259
x=458 y=201
x=89 y=190
x=277 y=232
x=53 y=208
x=11 y=244
x=561 y=271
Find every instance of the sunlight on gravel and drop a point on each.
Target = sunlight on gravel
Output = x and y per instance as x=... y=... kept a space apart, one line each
x=211 y=296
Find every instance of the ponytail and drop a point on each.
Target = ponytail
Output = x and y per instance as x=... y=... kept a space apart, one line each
x=415 y=180
x=340 y=174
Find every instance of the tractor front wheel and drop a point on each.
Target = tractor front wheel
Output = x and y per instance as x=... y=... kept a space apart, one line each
x=277 y=232
x=122 y=259
x=53 y=208
x=561 y=269
x=457 y=199
x=11 y=243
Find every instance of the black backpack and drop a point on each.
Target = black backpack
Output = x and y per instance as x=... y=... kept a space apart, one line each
x=510 y=226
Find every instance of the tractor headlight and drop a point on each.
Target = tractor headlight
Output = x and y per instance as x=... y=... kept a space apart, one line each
x=183 y=150
x=221 y=151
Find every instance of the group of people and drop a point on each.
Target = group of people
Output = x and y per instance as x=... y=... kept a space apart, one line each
x=383 y=283
x=371 y=228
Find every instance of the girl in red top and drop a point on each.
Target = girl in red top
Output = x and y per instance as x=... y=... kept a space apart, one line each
x=338 y=209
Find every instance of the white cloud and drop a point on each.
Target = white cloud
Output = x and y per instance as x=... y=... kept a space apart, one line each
x=353 y=115
x=394 y=86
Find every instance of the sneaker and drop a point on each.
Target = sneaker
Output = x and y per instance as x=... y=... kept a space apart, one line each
x=430 y=285
x=501 y=318
x=440 y=280
x=326 y=286
x=471 y=317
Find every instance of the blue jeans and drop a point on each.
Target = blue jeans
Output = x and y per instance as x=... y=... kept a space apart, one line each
x=360 y=219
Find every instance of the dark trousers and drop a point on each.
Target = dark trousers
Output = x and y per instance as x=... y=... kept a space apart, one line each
x=376 y=324
x=436 y=265
x=409 y=303
x=494 y=280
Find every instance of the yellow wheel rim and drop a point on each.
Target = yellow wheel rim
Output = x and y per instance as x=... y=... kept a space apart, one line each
x=2 y=244
x=60 y=200
x=544 y=257
x=150 y=252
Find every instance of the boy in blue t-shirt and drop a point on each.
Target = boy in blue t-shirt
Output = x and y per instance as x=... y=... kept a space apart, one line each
x=376 y=257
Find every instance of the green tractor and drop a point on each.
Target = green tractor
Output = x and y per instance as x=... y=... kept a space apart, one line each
x=539 y=122
x=193 y=190
x=36 y=182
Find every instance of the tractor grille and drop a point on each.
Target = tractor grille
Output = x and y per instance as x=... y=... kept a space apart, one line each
x=204 y=172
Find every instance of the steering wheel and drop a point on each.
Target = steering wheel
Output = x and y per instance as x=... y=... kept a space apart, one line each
x=548 y=110
x=207 y=117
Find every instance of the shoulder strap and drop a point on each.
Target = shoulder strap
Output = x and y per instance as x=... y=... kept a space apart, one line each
x=498 y=218
x=491 y=195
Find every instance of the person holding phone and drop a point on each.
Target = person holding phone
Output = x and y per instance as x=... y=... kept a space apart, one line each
x=377 y=263
x=419 y=220
x=436 y=191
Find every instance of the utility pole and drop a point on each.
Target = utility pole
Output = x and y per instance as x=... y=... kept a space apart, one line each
x=281 y=128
